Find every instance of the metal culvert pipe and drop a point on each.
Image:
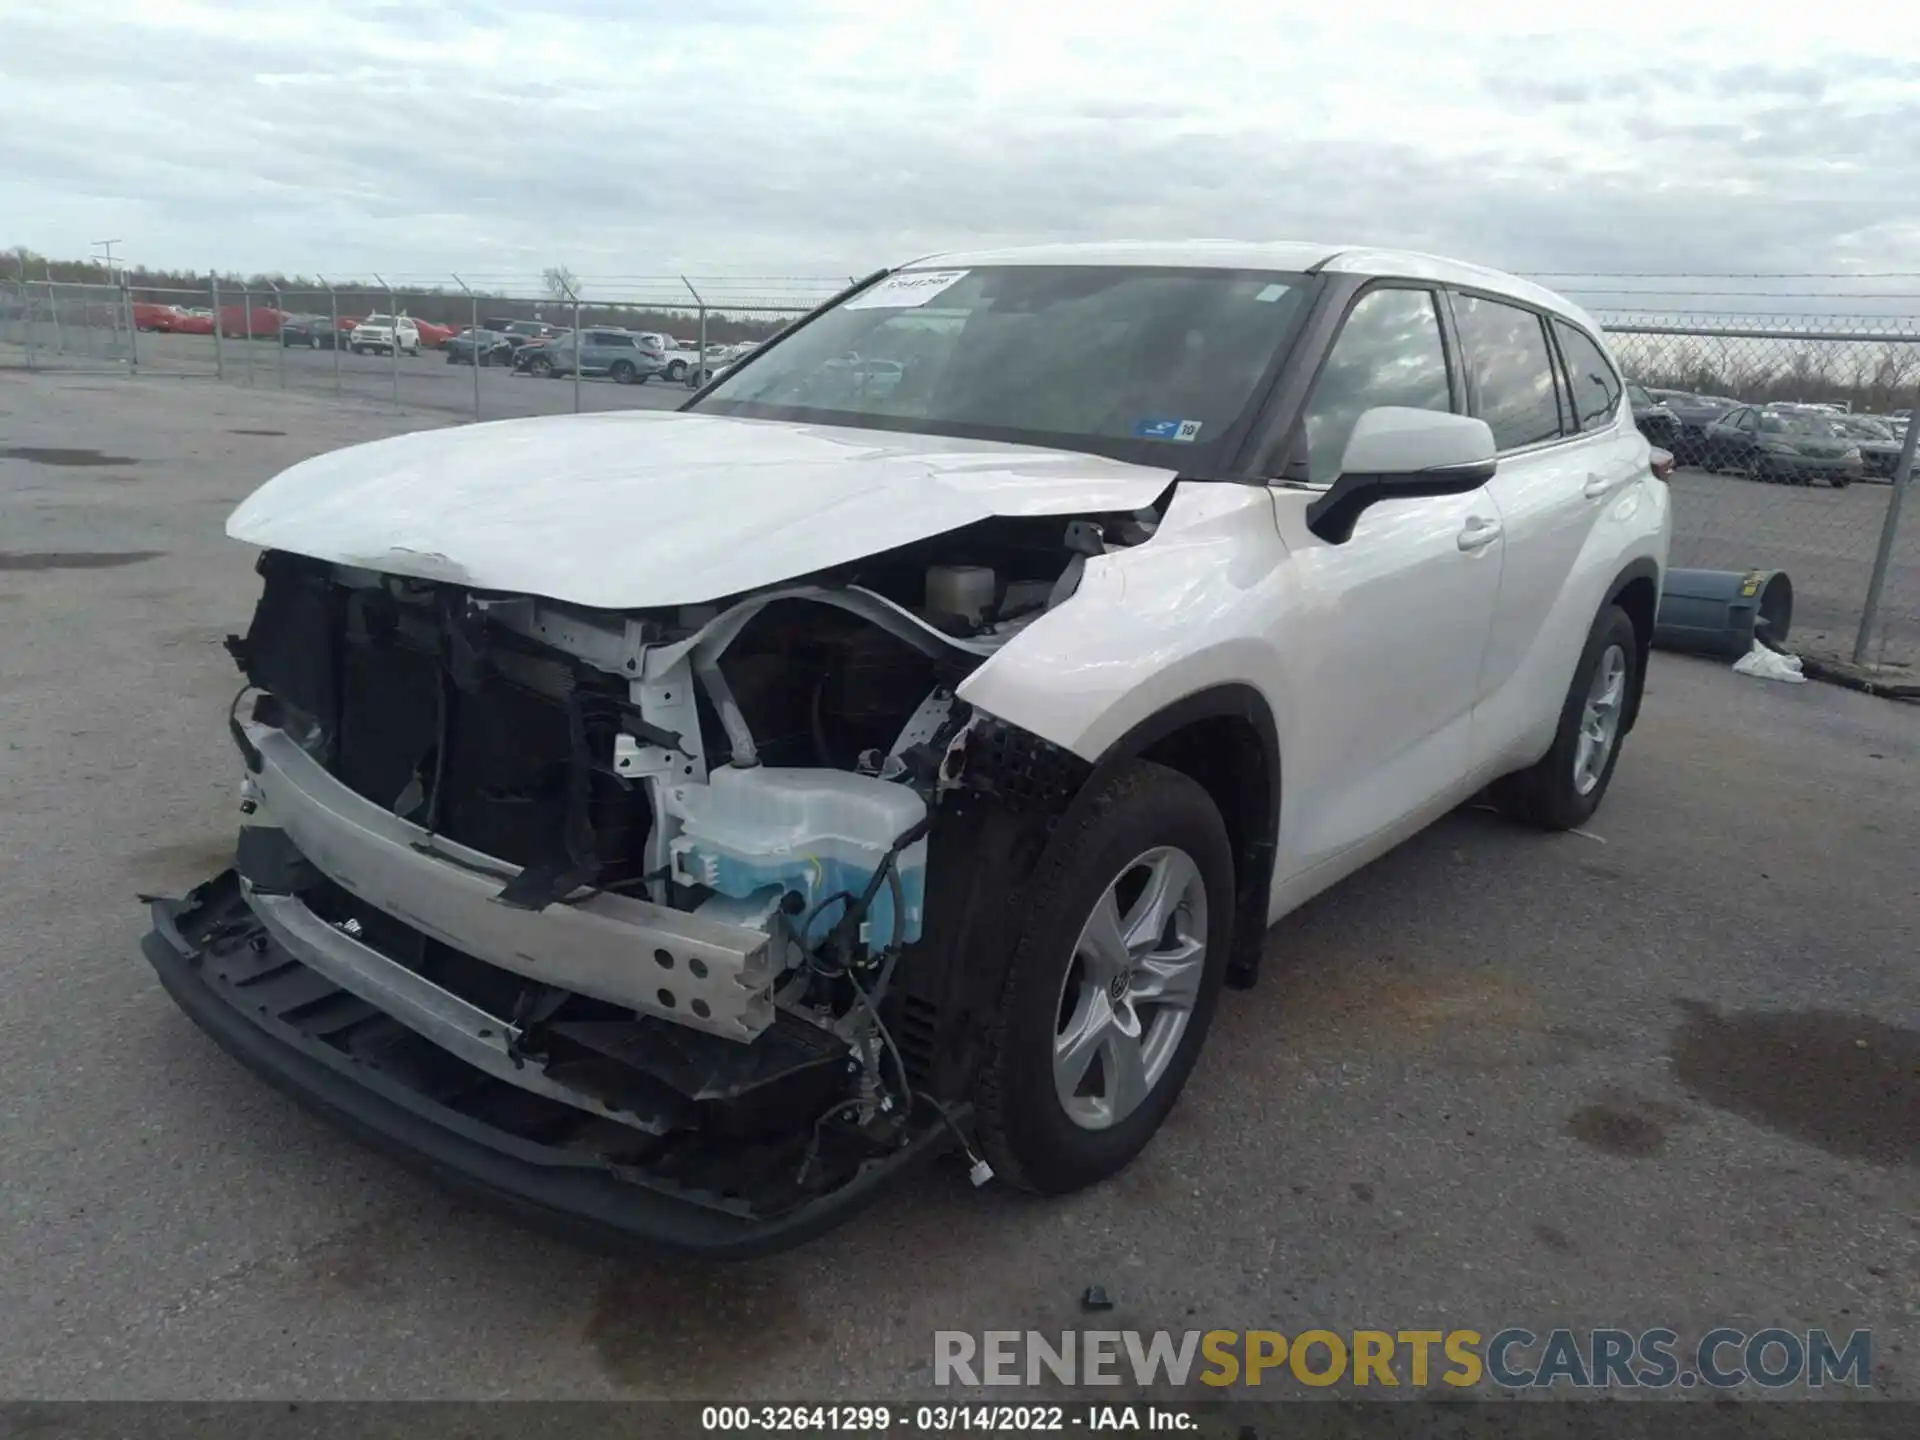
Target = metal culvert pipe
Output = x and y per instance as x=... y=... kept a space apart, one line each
x=1722 y=612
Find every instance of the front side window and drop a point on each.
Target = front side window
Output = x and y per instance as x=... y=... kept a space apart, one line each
x=1389 y=352
x=1153 y=364
x=1596 y=388
x=1505 y=349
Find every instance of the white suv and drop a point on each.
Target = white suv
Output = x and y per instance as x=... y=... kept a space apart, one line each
x=379 y=334
x=900 y=746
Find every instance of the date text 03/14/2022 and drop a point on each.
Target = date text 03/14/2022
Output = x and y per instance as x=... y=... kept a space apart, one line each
x=944 y=1419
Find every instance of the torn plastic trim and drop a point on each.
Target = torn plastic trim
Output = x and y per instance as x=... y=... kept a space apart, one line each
x=486 y=1042
x=573 y=1191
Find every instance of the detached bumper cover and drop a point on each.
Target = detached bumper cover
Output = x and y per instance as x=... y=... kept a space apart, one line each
x=285 y=1021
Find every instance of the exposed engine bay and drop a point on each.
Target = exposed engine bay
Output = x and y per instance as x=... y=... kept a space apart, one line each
x=675 y=891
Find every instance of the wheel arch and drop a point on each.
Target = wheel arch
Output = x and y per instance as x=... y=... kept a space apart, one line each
x=1215 y=737
x=1636 y=590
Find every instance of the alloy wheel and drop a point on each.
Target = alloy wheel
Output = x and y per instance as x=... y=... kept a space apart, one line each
x=1600 y=720
x=1130 y=988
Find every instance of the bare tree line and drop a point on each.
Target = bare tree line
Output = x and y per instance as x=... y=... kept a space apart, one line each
x=1870 y=377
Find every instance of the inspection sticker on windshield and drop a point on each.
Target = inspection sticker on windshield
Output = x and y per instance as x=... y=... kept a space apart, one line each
x=1181 y=430
x=907 y=290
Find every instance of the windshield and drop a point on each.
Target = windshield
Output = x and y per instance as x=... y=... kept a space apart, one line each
x=1153 y=365
x=1798 y=425
x=1867 y=429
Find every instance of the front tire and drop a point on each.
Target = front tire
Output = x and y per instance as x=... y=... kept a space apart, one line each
x=1111 y=985
x=1562 y=791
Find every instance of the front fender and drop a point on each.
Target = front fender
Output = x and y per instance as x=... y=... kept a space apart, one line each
x=1189 y=610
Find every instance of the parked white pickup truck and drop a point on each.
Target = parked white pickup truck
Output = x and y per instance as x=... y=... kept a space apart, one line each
x=376 y=334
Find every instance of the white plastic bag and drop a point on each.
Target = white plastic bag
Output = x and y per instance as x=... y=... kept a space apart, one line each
x=1765 y=664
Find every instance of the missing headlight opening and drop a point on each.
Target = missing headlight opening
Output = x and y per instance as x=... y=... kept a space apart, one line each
x=678 y=890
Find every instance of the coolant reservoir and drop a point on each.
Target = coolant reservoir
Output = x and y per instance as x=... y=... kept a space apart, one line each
x=812 y=832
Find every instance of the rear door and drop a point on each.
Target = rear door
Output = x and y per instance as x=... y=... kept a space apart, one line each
x=1568 y=450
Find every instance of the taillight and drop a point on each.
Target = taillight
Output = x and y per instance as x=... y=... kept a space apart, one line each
x=1661 y=462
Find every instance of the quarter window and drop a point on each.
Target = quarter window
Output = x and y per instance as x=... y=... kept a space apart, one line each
x=1596 y=389
x=1389 y=352
x=1506 y=353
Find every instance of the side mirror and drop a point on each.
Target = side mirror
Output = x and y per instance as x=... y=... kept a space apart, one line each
x=1396 y=453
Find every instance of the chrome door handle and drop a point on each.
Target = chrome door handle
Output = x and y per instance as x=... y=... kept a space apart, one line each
x=1480 y=532
x=1598 y=487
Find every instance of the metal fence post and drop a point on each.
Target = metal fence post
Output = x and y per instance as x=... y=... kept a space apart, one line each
x=393 y=330
x=473 y=332
x=1889 y=532
x=126 y=308
x=26 y=313
x=333 y=337
x=697 y=377
x=219 y=350
x=579 y=345
x=53 y=309
x=280 y=310
x=246 y=307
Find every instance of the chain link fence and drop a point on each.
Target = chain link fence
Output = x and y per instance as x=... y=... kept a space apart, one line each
x=409 y=341
x=50 y=325
x=1789 y=429
x=405 y=340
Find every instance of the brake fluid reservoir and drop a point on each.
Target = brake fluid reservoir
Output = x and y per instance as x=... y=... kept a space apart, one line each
x=811 y=832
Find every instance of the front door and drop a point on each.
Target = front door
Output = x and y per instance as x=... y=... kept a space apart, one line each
x=1393 y=623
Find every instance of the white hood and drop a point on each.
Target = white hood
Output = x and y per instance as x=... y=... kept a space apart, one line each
x=644 y=508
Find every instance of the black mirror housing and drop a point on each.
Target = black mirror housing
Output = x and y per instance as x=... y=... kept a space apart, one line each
x=1333 y=515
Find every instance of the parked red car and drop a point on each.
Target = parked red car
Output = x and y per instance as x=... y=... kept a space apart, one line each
x=161 y=318
x=435 y=337
x=234 y=322
x=184 y=324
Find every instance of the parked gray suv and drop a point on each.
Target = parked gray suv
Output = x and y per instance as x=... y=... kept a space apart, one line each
x=622 y=356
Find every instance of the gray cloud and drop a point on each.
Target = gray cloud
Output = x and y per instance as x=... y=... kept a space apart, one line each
x=799 y=139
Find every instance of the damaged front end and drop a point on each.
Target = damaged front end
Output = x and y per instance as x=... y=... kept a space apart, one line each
x=671 y=926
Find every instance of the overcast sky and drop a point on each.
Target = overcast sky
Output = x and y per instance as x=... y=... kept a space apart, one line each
x=805 y=137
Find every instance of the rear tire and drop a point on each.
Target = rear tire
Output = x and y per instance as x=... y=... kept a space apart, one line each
x=1126 y=1018
x=622 y=372
x=1565 y=787
x=677 y=371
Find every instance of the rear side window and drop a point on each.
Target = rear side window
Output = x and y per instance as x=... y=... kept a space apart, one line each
x=1389 y=352
x=1596 y=389
x=1505 y=349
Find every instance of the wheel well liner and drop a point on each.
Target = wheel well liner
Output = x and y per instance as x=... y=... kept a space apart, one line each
x=1224 y=738
x=1636 y=590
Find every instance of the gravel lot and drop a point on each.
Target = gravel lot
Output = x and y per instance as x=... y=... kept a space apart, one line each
x=1666 y=1072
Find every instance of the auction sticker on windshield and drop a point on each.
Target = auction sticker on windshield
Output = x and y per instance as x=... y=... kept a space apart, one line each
x=1158 y=429
x=907 y=290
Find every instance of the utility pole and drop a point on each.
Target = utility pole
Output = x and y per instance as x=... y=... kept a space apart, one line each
x=107 y=245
